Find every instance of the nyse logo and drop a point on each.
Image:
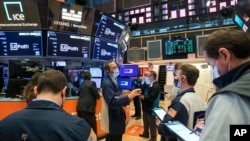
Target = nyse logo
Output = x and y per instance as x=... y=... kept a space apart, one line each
x=71 y=15
x=14 y=16
x=238 y=132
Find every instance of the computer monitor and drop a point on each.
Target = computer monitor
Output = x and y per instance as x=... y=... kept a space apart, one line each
x=107 y=27
x=21 y=43
x=62 y=44
x=95 y=72
x=125 y=83
x=129 y=70
x=178 y=48
x=105 y=50
x=15 y=87
x=23 y=68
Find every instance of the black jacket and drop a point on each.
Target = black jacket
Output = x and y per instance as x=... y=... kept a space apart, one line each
x=87 y=97
x=148 y=101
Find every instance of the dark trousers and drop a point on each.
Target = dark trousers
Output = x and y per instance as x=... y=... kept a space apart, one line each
x=149 y=122
x=90 y=118
x=137 y=104
x=110 y=137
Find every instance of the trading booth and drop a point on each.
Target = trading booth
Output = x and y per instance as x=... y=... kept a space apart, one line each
x=51 y=31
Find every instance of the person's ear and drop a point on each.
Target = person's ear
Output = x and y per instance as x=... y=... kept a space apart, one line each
x=182 y=77
x=63 y=92
x=225 y=53
x=35 y=91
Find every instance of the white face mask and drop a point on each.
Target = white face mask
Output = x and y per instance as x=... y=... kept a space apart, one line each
x=216 y=71
x=116 y=73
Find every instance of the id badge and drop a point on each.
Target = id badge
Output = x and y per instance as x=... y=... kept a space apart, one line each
x=117 y=95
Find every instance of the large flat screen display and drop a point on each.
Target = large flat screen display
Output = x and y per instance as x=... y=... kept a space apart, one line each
x=129 y=70
x=125 y=83
x=107 y=27
x=61 y=44
x=20 y=43
x=95 y=72
x=105 y=50
x=178 y=48
x=19 y=14
x=70 y=17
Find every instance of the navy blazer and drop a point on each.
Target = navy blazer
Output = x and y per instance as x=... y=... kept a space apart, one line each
x=45 y=121
x=115 y=103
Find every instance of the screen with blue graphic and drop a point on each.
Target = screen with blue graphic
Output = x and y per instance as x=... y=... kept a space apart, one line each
x=129 y=70
x=125 y=83
x=109 y=29
x=60 y=44
x=21 y=43
x=104 y=50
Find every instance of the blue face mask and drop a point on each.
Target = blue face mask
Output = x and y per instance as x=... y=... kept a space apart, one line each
x=116 y=73
x=147 y=81
x=216 y=71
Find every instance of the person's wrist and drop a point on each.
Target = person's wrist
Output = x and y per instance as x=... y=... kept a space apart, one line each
x=130 y=96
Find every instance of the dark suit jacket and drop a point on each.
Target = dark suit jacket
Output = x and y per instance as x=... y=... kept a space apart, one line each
x=148 y=101
x=115 y=104
x=37 y=121
x=87 y=97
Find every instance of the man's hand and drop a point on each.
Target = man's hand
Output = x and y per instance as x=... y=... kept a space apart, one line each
x=134 y=93
x=158 y=121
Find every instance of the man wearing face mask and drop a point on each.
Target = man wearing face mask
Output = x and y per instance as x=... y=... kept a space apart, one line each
x=185 y=104
x=227 y=52
x=44 y=118
x=176 y=84
x=115 y=102
x=148 y=99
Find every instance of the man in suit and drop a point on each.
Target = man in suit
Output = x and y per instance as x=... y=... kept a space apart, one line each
x=87 y=100
x=44 y=119
x=115 y=102
x=148 y=100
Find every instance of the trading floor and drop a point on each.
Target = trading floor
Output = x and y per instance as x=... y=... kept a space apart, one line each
x=135 y=127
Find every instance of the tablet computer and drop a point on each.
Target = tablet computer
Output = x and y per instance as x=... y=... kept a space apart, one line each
x=182 y=131
x=160 y=112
